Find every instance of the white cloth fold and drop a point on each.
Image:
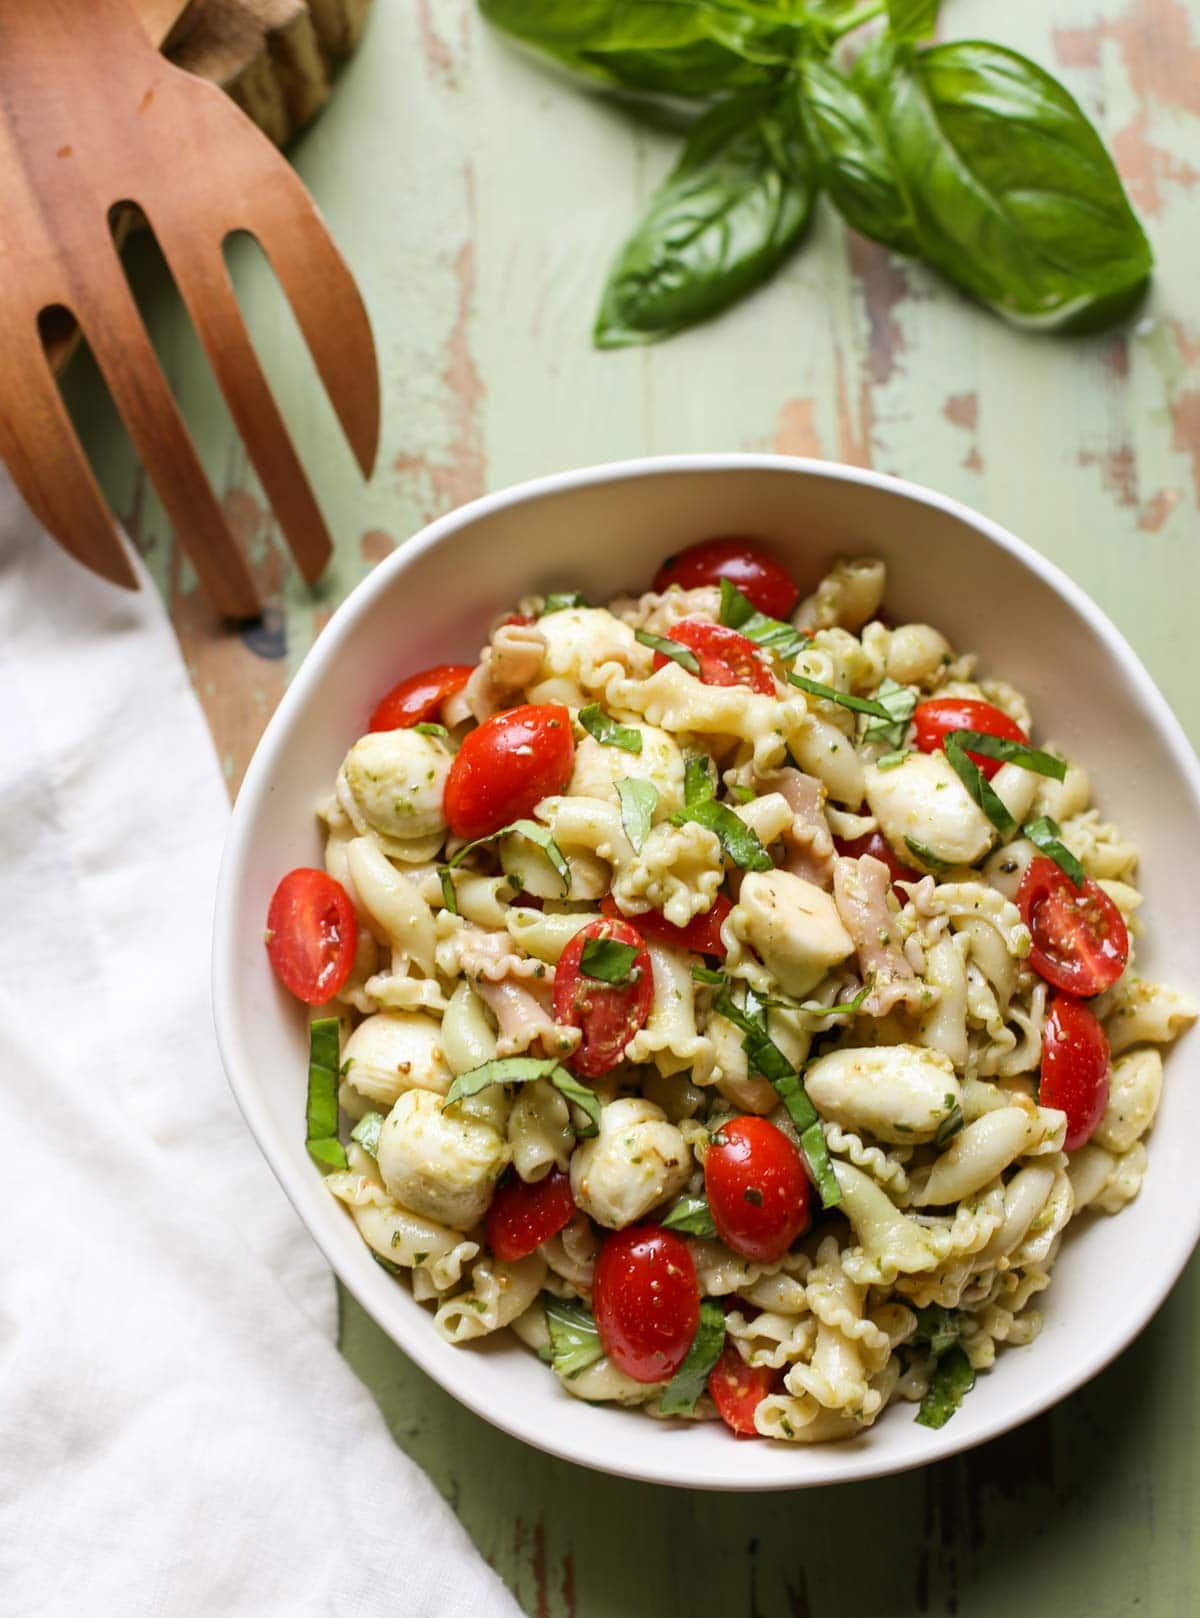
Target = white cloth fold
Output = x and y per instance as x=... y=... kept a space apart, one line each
x=178 y=1434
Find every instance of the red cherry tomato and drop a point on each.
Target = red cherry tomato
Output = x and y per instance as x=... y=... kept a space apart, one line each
x=609 y=1014
x=523 y=1216
x=646 y=1301
x=757 y=1189
x=725 y=657
x=1080 y=941
x=877 y=845
x=1076 y=1064
x=738 y=1389
x=511 y=762
x=702 y=935
x=934 y=718
x=312 y=934
x=419 y=697
x=759 y=578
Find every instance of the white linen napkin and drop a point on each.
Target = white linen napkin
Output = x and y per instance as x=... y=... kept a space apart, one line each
x=178 y=1434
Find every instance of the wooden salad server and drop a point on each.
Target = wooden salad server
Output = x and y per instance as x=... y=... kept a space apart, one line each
x=92 y=116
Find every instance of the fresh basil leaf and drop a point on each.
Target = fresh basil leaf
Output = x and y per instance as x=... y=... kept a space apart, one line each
x=449 y=895
x=772 y=634
x=709 y=975
x=692 y=1216
x=425 y=728
x=366 y=1132
x=912 y=19
x=607 y=960
x=639 y=799
x=523 y=828
x=850 y=148
x=386 y=1263
x=321 y=1117
x=690 y=1380
x=743 y=794
x=933 y=862
x=952 y=1381
x=977 y=784
x=686 y=658
x=574 y=1340
x=603 y=728
x=842 y=698
x=1010 y=752
x=892 y=761
x=560 y=603
x=698 y=784
x=950 y=1125
x=521 y=1070
x=938 y=1327
x=766 y=1058
x=840 y=1008
x=900 y=701
x=739 y=843
x=729 y=214
x=1046 y=833
x=1015 y=198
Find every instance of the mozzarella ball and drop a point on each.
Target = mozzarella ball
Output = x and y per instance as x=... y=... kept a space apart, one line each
x=898 y=1093
x=923 y=799
x=394 y=1051
x=793 y=925
x=636 y=1161
x=396 y=779
x=598 y=768
x=437 y=1165
x=916 y=652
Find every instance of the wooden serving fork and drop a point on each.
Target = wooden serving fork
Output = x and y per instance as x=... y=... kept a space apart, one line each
x=91 y=116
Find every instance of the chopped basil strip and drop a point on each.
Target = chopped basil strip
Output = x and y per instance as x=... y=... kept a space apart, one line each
x=840 y=1008
x=939 y=1327
x=366 y=1132
x=842 y=698
x=427 y=729
x=743 y=794
x=977 y=784
x=520 y=1070
x=952 y=1381
x=574 y=1340
x=692 y=1216
x=560 y=602
x=900 y=701
x=766 y=1058
x=386 y=1263
x=321 y=1135
x=449 y=896
x=1046 y=833
x=890 y=761
x=1010 y=752
x=772 y=634
x=927 y=856
x=738 y=841
x=697 y=780
x=721 y=980
x=950 y=1125
x=604 y=728
x=639 y=800
x=709 y=974
x=669 y=648
x=524 y=828
x=607 y=960
x=690 y=1380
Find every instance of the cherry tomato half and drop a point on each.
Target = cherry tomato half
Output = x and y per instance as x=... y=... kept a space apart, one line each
x=725 y=657
x=646 y=1301
x=312 y=934
x=419 y=697
x=738 y=1389
x=702 y=935
x=877 y=845
x=757 y=1188
x=1076 y=1065
x=1080 y=941
x=524 y=1215
x=609 y=1014
x=759 y=578
x=511 y=762
x=934 y=718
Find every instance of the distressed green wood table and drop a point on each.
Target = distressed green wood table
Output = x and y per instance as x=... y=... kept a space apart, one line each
x=478 y=200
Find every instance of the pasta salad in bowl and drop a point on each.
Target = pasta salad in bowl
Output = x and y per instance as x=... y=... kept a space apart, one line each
x=729 y=992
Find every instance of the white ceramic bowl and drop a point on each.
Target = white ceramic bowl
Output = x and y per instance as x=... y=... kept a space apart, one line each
x=604 y=530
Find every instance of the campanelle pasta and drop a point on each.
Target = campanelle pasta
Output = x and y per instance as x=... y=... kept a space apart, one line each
x=772 y=952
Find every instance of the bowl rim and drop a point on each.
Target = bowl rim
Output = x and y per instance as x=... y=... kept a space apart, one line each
x=850 y=1464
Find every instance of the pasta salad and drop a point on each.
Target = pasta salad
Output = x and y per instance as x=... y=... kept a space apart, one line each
x=725 y=992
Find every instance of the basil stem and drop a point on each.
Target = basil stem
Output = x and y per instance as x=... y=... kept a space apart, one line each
x=690 y=1380
x=321 y=1133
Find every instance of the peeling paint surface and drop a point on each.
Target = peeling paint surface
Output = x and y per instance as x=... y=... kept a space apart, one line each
x=479 y=201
